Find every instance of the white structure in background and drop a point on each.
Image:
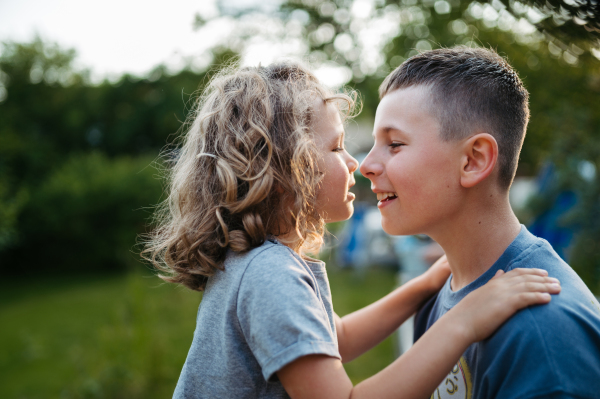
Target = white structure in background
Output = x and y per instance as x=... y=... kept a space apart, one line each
x=416 y=254
x=522 y=189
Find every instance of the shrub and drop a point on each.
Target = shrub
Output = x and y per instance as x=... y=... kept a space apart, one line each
x=85 y=216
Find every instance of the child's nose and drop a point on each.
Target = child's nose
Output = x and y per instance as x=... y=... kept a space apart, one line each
x=352 y=164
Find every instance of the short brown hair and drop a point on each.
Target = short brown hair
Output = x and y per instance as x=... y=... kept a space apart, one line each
x=472 y=89
x=246 y=170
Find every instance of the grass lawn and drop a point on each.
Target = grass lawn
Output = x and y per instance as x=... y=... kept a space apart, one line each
x=127 y=336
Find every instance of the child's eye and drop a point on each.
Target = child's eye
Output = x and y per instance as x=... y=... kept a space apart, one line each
x=396 y=145
x=338 y=149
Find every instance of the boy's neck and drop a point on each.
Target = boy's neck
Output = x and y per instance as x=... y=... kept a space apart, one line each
x=476 y=238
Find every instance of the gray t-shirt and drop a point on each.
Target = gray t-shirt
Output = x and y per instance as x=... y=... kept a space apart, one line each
x=268 y=308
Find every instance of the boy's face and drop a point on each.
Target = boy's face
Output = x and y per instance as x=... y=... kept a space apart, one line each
x=415 y=174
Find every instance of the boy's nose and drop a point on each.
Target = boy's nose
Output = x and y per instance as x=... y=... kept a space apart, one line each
x=369 y=167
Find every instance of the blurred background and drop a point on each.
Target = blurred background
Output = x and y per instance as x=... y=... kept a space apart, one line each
x=91 y=92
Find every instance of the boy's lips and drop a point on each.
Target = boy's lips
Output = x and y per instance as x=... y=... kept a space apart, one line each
x=386 y=202
x=385 y=198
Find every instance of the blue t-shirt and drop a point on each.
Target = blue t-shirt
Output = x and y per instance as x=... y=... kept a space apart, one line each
x=545 y=351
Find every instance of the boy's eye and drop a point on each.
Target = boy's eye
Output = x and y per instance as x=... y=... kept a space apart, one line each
x=396 y=144
x=338 y=149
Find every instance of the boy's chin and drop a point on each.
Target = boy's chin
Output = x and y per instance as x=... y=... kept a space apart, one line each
x=392 y=232
x=395 y=229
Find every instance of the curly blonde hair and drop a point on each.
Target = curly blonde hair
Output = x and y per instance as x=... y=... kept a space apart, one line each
x=247 y=170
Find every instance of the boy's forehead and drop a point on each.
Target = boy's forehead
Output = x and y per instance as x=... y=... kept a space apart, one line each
x=405 y=105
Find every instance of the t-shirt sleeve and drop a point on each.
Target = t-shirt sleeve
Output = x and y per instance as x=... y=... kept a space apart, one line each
x=525 y=360
x=555 y=395
x=280 y=312
x=514 y=356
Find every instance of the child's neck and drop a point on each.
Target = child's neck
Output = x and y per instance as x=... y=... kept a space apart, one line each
x=476 y=238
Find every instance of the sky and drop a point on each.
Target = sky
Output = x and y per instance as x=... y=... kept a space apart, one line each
x=116 y=36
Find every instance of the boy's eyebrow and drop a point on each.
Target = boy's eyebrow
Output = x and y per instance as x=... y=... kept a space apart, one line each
x=387 y=129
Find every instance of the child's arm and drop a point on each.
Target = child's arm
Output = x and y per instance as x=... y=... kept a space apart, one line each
x=420 y=370
x=360 y=331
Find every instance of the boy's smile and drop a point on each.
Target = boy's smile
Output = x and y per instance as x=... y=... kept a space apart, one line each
x=415 y=174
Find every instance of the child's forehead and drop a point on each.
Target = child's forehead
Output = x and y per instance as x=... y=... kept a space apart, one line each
x=327 y=123
x=326 y=112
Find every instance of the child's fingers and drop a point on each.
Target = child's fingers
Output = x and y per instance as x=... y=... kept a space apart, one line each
x=498 y=274
x=525 y=299
x=533 y=286
x=530 y=278
x=523 y=271
x=518 y=275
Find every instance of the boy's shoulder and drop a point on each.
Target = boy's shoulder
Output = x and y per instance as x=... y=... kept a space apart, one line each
x=544 y=350
x=574 y=303
x=558 y=341
x=535 y=252
x=529 y=251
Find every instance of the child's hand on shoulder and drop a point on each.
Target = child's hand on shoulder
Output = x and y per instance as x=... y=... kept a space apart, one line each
x=488 y=307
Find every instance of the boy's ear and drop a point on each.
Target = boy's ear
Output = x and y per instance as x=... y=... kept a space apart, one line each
x=479 y=159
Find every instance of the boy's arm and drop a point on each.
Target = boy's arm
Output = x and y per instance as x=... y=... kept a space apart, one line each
x=360 y=331
x=420 y=370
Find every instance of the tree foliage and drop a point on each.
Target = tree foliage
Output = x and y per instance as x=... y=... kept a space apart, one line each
x=76 y=159
x=570 y=19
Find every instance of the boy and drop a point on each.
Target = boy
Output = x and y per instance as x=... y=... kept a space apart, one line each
x=448 y=132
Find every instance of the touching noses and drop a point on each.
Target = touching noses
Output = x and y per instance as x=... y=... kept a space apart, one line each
x=369 y=167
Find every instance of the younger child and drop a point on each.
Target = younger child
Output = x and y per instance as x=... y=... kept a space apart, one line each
x=262 y=168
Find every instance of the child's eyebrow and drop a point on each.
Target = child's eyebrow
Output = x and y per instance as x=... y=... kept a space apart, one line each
x=338 y=139
x=340 y=134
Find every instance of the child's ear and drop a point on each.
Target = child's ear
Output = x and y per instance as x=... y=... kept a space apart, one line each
x=278 y=189
x=479 y=159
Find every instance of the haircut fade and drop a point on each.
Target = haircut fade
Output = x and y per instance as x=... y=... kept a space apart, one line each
x=473 y=90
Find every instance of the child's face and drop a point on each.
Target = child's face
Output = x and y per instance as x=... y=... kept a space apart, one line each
x=334 y=201
x=409 y=162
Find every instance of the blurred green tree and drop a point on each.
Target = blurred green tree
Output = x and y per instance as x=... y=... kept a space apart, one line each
x=75 y=157
x=86 y=214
